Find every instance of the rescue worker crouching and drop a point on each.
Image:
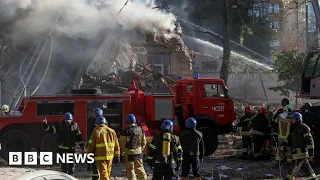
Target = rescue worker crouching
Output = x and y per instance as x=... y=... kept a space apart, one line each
x=165 y=153
x=193 y=149
x=105 y=146
x=93 y=167
x=68 y=135
x=302 y=144
x=283 y=130
x=132 y=144
x=245 y=128
x=259 y=125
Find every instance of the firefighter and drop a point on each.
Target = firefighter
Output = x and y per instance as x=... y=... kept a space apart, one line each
x=5 y=109
x=192 y=145
x=245 y=128
x=93 y=167
x=283 y=132
x=301 y=141
x=165 y=153
x=105 y=146
x=68 y=134
x=259 y=125
x=132 y=144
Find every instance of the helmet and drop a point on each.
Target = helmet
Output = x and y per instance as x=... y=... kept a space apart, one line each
x=191 y=123
x=247 y=109
x=262 y=110
x=98 y=111
x=101 y=120
x=289 y=108
x=131 y=119
x=5 y=108
x=284 y=102
x=167 y=124
x=297 y=116
x=67 y=116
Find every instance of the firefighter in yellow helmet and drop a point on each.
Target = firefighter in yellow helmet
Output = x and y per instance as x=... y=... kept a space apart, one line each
x=132 y=143
x=105 y=146
x=5 y=109
x=165 y=153
x=283 y=130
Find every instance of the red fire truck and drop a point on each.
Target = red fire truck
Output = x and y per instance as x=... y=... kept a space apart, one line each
x=205 y=99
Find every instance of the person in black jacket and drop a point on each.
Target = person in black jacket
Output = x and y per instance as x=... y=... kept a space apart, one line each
x=165 y=153
x=192 y=146
x=259 y=125
x=68 y=135
x=301 y=142
x=245 y=128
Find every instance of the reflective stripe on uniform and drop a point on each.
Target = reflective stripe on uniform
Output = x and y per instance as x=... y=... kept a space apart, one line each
x=105 y=145
x=281 y=135
x=152 y=146
x=90 y=141
x=97 y=158
x=310 y=146
x=244 y=133
x=65 y=147
x=133 y=151
x=47 y=129
x=307 y=134
x=116 y=152
x=150 y=157
x=257 y=132
x=179 y=159
x=95 y=175
x=54 y=129
x=178 y=148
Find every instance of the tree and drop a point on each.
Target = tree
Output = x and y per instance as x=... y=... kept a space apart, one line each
x=287 y=66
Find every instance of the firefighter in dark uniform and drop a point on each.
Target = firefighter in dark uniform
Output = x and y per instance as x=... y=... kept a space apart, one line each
x=68 y=135
x=192 y=145
x=165 y=153
x=93 y=167
x=245 y=128
x=301 y=142
x=132 y=144
x=259 y=125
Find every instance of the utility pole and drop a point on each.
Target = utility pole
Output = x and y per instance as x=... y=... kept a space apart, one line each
x=224 y=71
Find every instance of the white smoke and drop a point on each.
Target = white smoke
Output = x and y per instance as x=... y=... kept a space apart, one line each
x=83 y=18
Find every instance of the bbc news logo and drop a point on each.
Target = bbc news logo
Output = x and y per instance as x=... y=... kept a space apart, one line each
x=46 y=158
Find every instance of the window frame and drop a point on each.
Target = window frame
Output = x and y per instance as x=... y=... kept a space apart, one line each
x=55 y=102
x=165 y=63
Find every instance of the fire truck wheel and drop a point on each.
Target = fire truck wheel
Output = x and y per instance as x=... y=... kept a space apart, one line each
x=49 y=143
x=210 y=139
x=14 y=141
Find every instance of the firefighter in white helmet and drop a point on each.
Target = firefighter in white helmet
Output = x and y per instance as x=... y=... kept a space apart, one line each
x=5 y=109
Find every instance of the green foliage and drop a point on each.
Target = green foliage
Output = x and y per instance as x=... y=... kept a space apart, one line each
x=249 y=31
x=287 y=66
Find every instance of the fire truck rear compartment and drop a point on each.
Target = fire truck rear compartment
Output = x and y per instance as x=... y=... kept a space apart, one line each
x=112 y=111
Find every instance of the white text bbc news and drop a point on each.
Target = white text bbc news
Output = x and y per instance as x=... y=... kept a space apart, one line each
x=47 y=158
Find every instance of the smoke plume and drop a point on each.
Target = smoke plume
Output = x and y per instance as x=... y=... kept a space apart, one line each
x=82 y=18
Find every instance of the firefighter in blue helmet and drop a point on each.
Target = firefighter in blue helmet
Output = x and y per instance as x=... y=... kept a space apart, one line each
x=192 y=145
x=69 y=134
x=132 y=144
x=93 y=167
x=165 y=153
x=301 y=142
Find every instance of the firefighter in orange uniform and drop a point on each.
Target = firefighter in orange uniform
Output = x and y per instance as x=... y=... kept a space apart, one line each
x=105 y=146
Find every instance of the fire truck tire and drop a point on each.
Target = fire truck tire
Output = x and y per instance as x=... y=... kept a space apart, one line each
x=210 y=138
x=49 y=143
x=14 y=141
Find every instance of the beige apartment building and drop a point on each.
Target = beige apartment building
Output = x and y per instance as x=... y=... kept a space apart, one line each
x=288 y=22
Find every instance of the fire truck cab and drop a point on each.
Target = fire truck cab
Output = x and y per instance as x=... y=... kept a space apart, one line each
x=206 y=100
